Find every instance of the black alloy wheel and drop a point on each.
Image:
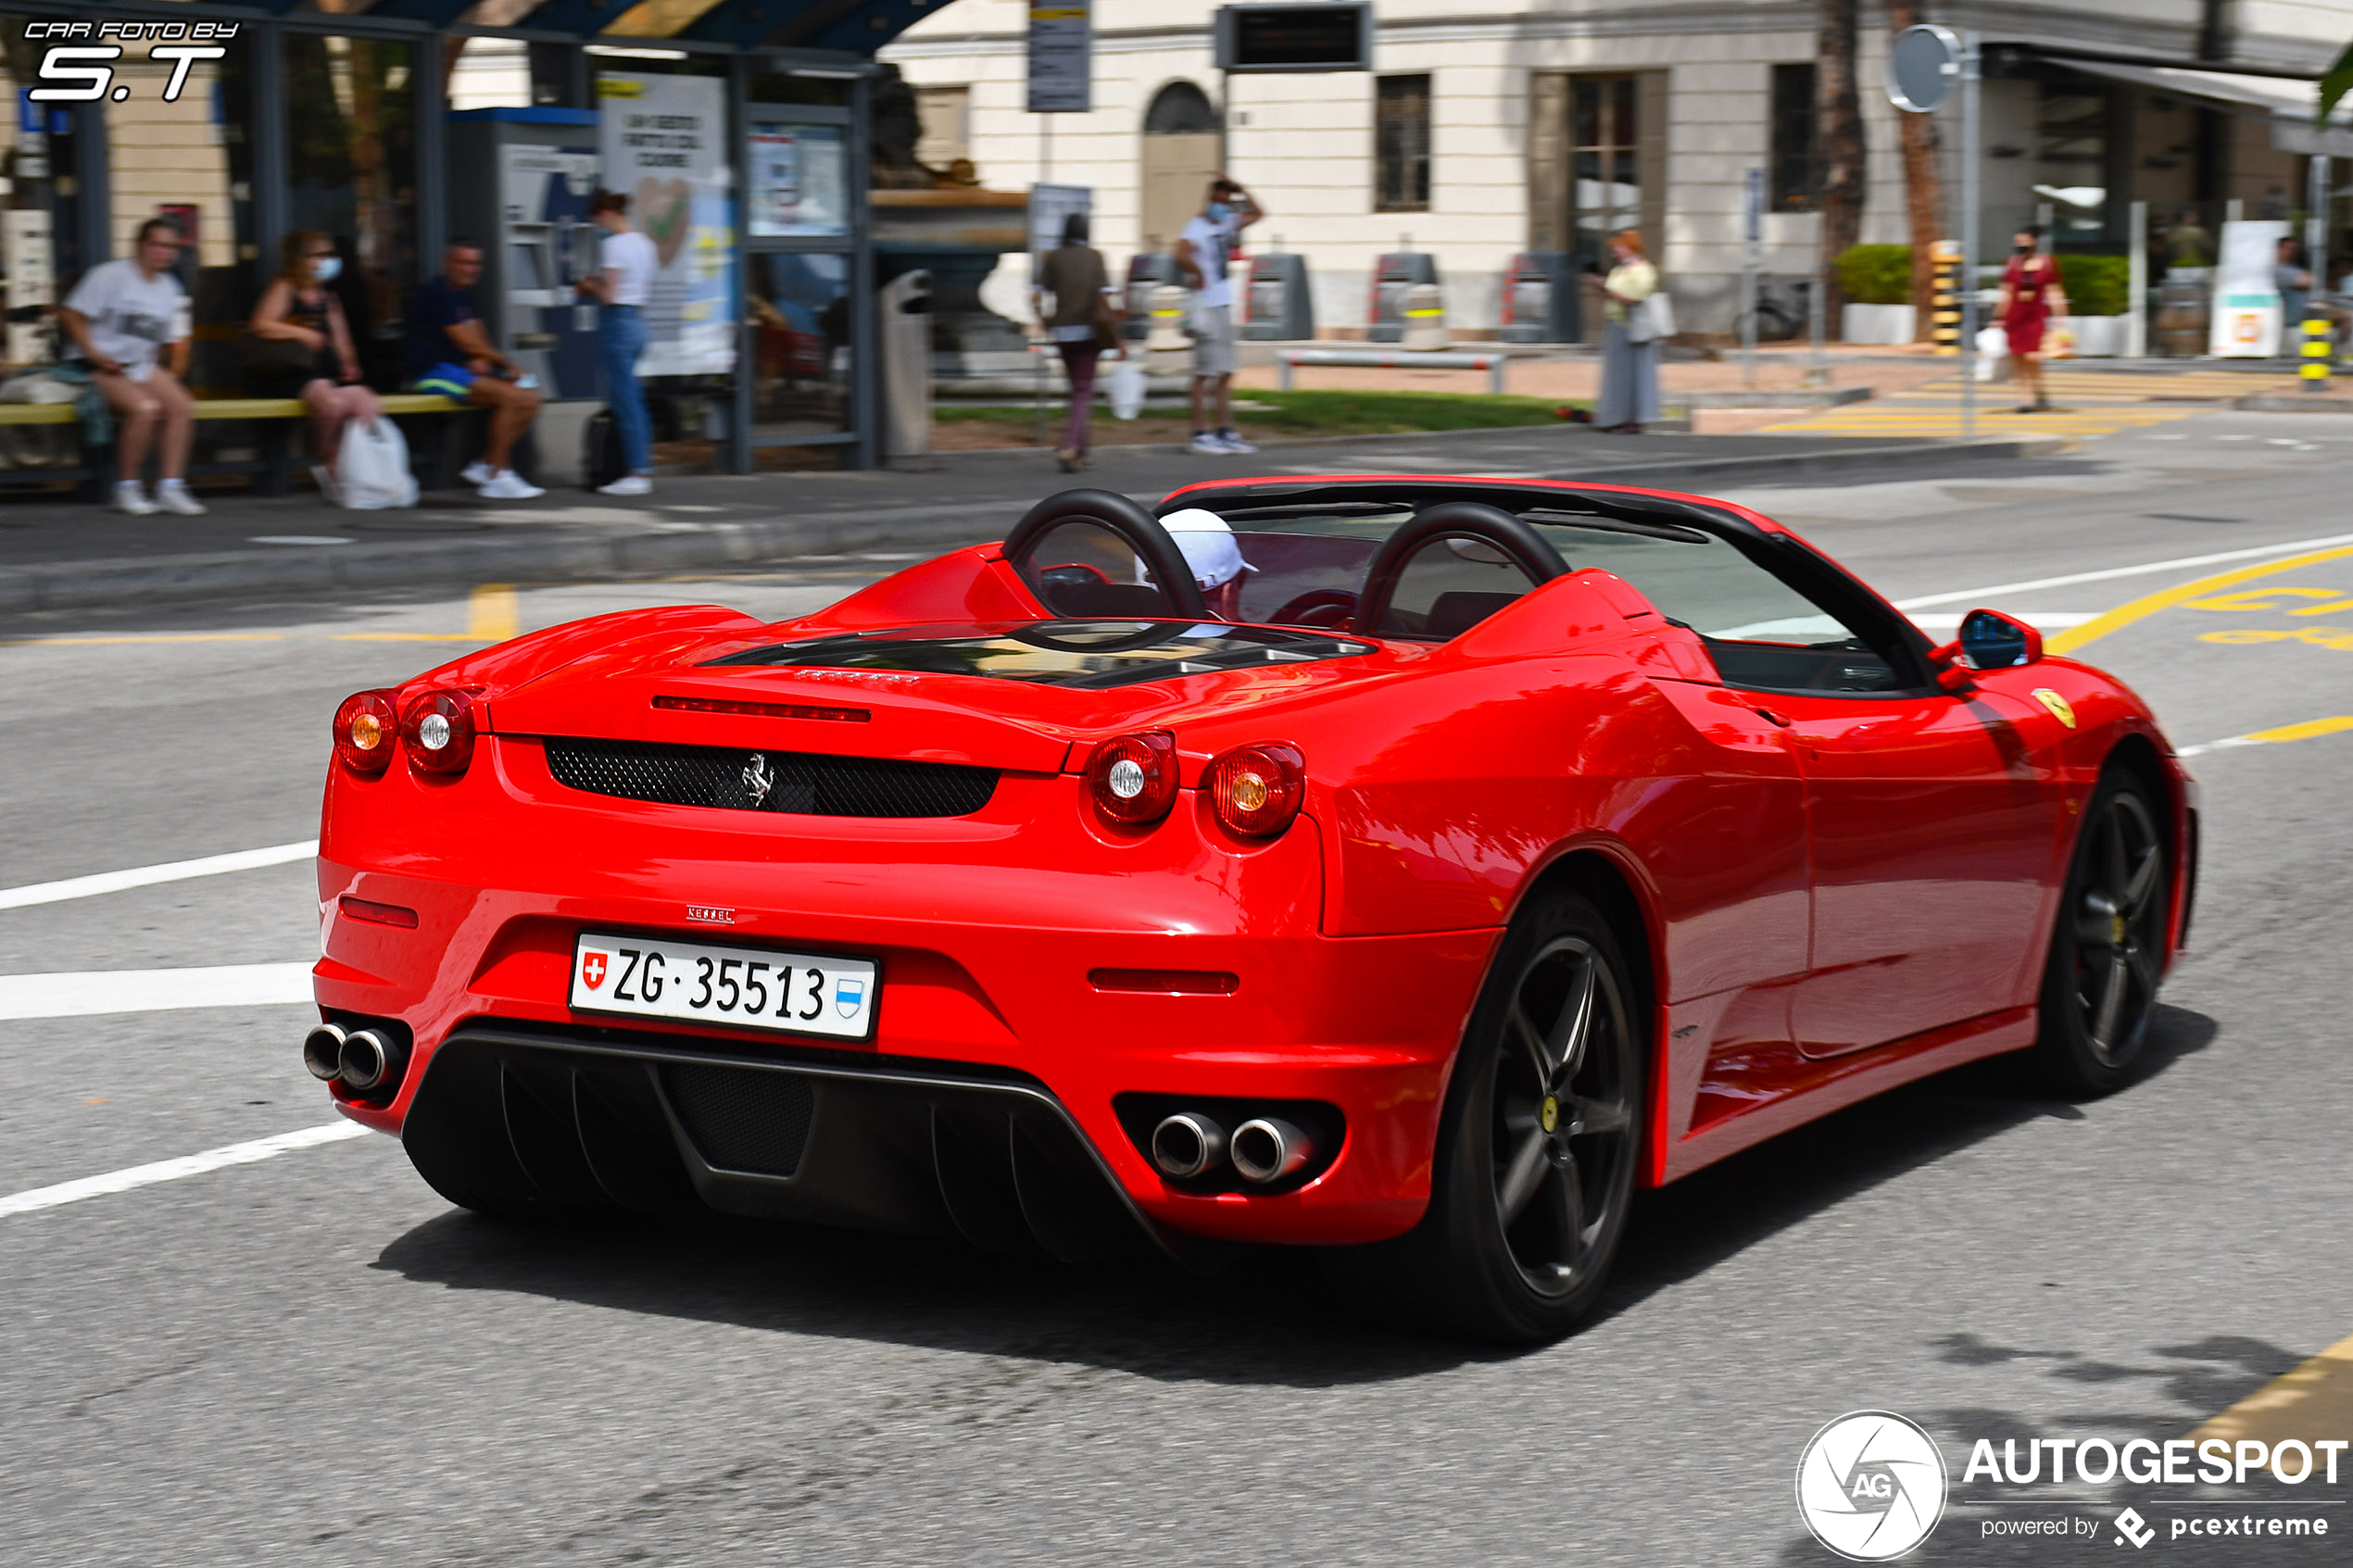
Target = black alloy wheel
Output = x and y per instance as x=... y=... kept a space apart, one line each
x=1542 y=1133
x=2107 y=946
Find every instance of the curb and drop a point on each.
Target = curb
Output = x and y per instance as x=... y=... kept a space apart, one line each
x=574 y=556
x=2293 y=403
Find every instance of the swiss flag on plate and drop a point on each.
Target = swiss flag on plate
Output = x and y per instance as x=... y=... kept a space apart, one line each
x=592 y=970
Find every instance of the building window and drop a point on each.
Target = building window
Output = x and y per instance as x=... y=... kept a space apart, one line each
x=945 y=116
x=1797 y=169
x=1605 y=147
x=1401 y=144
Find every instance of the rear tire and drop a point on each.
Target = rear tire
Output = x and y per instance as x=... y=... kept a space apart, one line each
x=1540 y=1139
x=2107 y=944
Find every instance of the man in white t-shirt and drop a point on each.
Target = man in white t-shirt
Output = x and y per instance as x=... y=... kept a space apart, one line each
x=624 y=282
x=1203 y=248
x=122 y=319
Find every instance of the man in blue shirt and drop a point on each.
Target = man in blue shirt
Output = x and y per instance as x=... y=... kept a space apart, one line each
x=450 y=352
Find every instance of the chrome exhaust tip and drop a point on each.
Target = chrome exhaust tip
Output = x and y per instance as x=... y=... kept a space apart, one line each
x=371 y=1060
x=1267 y=1148
x=1187 y=1144
x=322 y=1052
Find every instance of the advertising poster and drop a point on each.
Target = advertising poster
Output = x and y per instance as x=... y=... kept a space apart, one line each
x=2246 y=322
x=799 y=181
x=664 y=140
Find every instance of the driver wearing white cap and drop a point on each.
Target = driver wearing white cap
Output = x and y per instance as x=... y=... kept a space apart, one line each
x=1216 y=560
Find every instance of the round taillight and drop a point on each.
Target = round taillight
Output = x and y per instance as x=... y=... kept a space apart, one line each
x=364 y=727
x=1133 y=778
x=439 y=731
x=1256 y=790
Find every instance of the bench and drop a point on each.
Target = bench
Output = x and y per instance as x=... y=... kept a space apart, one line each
x=274 y=469
x=1396 y=359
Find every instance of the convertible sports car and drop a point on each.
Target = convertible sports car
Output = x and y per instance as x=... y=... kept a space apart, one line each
x=1415 y=865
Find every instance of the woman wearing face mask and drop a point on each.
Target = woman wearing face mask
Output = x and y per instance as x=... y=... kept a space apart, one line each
x=321 y=367
x=2031 y=300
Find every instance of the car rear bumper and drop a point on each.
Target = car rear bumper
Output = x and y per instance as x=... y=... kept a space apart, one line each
x=991 y=1033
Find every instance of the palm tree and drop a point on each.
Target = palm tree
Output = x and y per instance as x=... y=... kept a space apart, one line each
x=1840 y=118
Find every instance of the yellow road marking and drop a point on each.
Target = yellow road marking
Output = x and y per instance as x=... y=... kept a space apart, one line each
x=2309 y=729
x=2315 y=1401
x=156 y=637
x=491 y=615
x=2304 y=730
x=2124 y=615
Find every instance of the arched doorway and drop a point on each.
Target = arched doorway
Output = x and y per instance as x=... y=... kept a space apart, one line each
x=1183 y=146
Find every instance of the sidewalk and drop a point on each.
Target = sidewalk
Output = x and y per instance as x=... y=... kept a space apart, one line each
x=69 y=555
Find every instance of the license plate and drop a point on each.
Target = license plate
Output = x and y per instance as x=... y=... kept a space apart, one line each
x=741 y=987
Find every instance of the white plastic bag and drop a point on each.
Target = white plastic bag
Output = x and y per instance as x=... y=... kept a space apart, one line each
x=1992 y=348
x=1126 y=388
x=372 y=470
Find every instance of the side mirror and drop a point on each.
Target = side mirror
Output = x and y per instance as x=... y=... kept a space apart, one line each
x=1990 y=640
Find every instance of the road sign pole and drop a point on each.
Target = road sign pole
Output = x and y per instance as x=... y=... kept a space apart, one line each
x=1752 y=255
x=1969 y=235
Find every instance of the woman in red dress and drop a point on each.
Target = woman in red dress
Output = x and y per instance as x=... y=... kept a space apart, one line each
x=2031 y=299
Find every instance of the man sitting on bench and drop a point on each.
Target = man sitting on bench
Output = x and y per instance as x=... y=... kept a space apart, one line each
x=448 y=353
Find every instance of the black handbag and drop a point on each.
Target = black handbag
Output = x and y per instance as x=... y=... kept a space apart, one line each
x=271 y=356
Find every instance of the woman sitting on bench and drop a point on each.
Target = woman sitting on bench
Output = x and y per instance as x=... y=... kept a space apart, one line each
x=303 y=349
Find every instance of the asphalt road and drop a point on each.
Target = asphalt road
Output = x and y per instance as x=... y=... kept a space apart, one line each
x=311 y=1359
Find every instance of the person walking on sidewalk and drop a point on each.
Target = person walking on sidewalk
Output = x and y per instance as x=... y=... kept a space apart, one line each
x=120 y=319
x=624 y=282
x=1204 y=249
x=448 y=353
x=1081 y=326
x=316 y=363
x=2031 y=300
x=1628 y=398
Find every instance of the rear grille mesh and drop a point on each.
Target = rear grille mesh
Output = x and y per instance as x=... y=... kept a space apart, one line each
x=732 y=777
x=743 y=1120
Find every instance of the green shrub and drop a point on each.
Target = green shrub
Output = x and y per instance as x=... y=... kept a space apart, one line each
x=1876 y=274
x=2096 y=285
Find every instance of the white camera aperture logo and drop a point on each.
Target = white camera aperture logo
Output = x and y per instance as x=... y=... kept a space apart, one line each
x=1872 y=1485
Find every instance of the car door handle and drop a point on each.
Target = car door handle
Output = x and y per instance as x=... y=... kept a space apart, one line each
x=1773 y=718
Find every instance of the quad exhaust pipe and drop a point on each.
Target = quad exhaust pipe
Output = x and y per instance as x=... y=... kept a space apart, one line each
x=1267 y=1148
x=1263 y=1150
x=1188 y=1144
x=365 y=1060
x=322 y=1052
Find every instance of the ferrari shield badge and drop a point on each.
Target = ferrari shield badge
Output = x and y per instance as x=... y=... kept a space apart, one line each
x=592 y=970
x=850 y=994
x=2059 y=708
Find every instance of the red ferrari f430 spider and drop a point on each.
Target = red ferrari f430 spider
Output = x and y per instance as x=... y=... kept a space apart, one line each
x=1418 y=865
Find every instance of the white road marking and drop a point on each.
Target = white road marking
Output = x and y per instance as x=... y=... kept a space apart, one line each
x=2116 y=572
x=147 y=876
x=93 y=992
x=2041 y=619
x=174 y=1169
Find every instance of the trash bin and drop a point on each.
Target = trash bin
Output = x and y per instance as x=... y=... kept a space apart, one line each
x=906 y=365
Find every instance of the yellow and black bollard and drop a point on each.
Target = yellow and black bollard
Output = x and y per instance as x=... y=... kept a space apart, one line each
x=2319 y=348
x=1945 y=297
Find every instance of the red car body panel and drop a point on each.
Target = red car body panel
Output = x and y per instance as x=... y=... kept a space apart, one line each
x=1836 y=896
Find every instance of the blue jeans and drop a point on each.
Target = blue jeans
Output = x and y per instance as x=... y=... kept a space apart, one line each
x=621 y=339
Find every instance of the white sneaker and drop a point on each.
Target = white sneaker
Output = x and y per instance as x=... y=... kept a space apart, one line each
x=1206 y=443
x=172 y=496
x=628 y=484
x=478 y=472
x=1234 y=443
x=508 y=485
x=129 y=496
x=324 y=478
